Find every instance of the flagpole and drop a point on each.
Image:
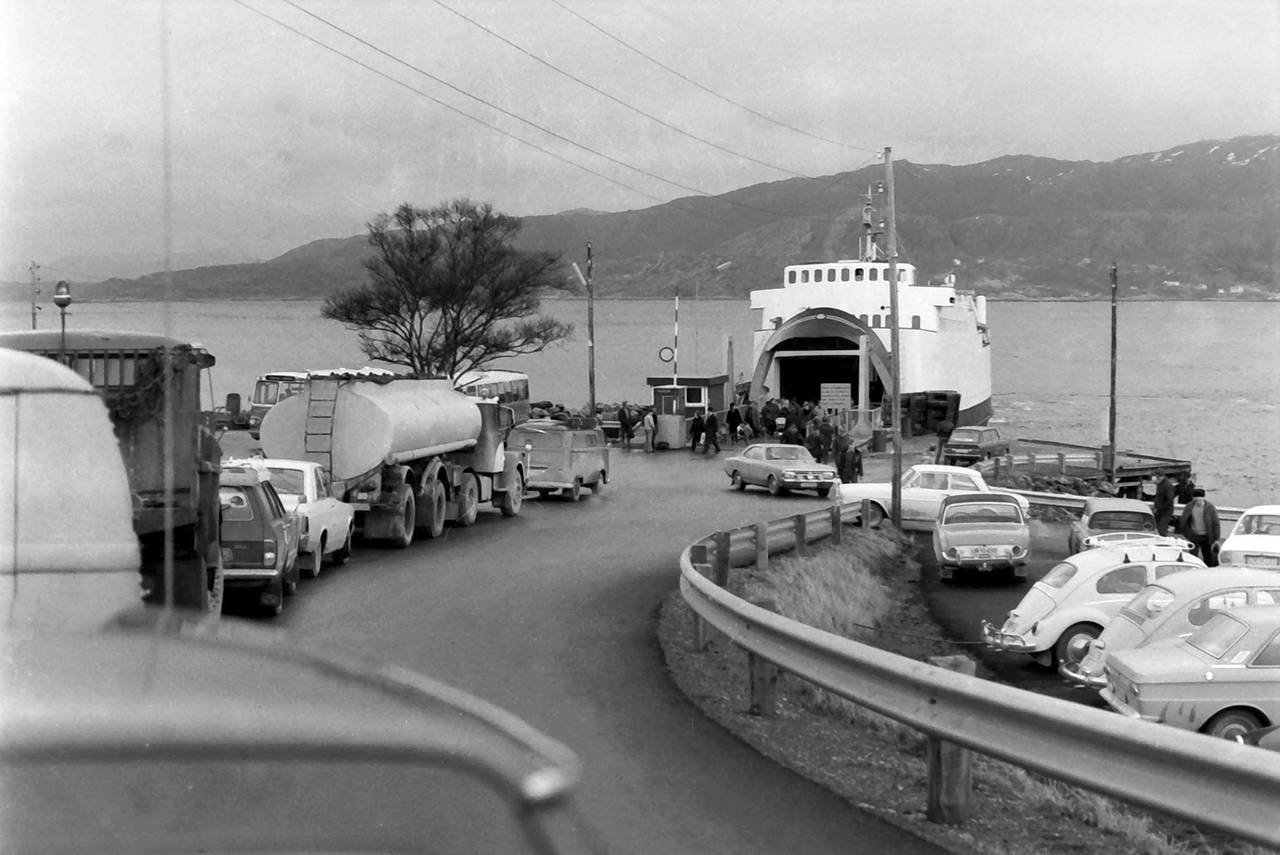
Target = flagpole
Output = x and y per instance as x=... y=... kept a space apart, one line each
x=1111 y=423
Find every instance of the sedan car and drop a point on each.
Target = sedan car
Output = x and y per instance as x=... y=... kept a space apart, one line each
x=1222 y=680
x=1103 y=514
x=780 y=467
x=1172 y=608
x=968 y=445
x=1254 y=540
x=259 y=536
x=1078 y=598
x=328 y=523
x=982 y=532
x=924 y=486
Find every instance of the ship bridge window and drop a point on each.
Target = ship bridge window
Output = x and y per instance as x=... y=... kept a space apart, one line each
x=844 y=274
x=874 y=274
x=902 y=276
x=791 y=277
x=817 y=275
x=804 y=275
x=831 y=274
x=915 y=322
x=875 y=320
x=858 y=274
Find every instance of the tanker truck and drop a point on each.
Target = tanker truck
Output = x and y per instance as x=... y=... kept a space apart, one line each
x=409 y=454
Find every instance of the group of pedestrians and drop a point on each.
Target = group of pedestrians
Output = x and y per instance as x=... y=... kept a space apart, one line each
x=1198 y=521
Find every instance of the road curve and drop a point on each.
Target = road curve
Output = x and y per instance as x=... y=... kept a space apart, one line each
x=552 y=615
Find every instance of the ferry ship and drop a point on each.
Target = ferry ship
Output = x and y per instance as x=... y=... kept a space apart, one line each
x=824 y=336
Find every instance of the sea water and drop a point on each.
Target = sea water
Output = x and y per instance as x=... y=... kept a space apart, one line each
x=1196 y=380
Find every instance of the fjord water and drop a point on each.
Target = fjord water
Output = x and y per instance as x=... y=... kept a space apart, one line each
x=1199 y=380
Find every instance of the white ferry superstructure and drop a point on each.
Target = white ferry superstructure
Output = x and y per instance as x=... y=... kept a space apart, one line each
x=829 y=324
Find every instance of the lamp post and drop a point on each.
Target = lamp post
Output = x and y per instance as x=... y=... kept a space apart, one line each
x=62 y=299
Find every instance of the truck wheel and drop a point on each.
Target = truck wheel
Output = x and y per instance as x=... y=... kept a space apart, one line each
x=433 y=510
x=512 y=500
x=402 y=532
x=468 y=501
x=342 y=553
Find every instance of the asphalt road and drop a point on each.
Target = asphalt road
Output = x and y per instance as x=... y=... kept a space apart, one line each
x=552 y=616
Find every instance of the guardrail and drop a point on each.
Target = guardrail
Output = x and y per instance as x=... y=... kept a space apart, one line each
x=1206 y=781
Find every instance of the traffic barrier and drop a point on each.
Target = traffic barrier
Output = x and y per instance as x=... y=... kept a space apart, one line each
x=1210 y=782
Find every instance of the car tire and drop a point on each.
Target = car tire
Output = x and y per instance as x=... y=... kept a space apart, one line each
x=342 y=553
x=1229 y=724
x=312 y=569
x=468 y=501
x=1068 y=649
x=575 y=492
x=277 y=587
x=875 y=516
x=736 y=481
x=775 y=489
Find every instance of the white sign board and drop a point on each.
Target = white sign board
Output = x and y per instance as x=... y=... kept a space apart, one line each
x=835 y=396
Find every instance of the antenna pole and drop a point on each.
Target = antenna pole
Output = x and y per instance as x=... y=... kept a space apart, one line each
x=892 y=252
x=34 y=267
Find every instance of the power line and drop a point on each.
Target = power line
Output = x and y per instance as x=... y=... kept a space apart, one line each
x=664 y=123
x=371 y=46
x=706 y=89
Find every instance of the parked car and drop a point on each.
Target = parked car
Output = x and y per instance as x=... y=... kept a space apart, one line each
x=779 y=467
x=1078 y=598
x=924 y=486
x=328 y=523
x=1254 y=540
x=161 y=734
x=1103 y=515
x=564 y=456
x=968 y=445
x=1222 y=680
x=259 y=537
x=1172 y=608
x=982 y=532
x=1135 y=538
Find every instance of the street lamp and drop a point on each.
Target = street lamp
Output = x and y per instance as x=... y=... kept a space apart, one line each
x=62 y=299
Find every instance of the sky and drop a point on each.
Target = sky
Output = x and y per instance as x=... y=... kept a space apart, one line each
x=272 y=133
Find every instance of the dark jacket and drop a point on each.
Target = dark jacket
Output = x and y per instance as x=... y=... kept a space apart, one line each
x=1213 y=528
x=1166 y=496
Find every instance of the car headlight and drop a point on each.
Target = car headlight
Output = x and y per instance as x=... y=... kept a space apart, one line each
x=788 y=473
x=1228 y=557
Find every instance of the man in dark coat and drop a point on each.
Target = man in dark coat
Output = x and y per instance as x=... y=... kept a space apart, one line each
x=1166 y=494
x=625 y=425
x=734 y=421
x=1199 y=524
x=696 y=427
x=711 y=433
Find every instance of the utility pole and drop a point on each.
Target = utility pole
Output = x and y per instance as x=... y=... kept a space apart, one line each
x=591 y=337
x=34 y=267
x=1111 y=420
x=892 y=251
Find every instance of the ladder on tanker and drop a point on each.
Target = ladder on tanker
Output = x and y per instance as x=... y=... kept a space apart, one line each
x=322 y=399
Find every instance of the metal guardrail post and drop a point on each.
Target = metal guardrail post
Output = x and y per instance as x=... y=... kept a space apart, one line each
x=762 y=546
x=835 y=524
x=722 y=559
x=763 y=675
x=698 y=553
x=950 y=795
x=1062 y=463
x=802 y=543
x=995 y=475
x=701 y=629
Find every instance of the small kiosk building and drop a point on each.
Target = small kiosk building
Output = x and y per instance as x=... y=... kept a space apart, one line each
x=677 y=399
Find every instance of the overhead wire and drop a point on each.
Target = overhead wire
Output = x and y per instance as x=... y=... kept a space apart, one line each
x=744 y=107
x=697 y=191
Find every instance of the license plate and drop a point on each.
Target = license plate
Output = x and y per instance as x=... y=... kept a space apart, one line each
x=1263 y=560
x=984 y=551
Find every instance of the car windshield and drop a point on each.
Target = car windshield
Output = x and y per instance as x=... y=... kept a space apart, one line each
x=788 y=452
x=541 y=438
x=1151 y=601
x=964 y=435
x=982 y=512
x=1216 y=637
x=1060 y=575
x=1123 y=521
x=1258 y=524
x=288 y=481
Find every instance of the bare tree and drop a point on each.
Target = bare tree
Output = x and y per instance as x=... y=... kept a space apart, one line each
x=449 y=292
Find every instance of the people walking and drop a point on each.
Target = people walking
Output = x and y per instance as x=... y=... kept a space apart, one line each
x=711 y=433
x=1166 y=494
x=696 y=427
x=733 y=420
x=625 y=426
x=649 y=423
x=1199 y=524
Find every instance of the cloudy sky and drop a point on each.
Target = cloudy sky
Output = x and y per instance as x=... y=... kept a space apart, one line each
x=284 y=121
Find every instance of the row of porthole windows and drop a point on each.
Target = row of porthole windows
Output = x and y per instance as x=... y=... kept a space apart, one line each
x=883 y=321
x=830 y=274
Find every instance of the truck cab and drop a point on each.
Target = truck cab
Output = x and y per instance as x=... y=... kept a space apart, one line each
x=74 y=561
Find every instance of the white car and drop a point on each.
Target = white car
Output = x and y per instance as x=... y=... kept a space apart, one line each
x=328 y=522
x=924 y=486
x=1254 y=541
x=1078 y=598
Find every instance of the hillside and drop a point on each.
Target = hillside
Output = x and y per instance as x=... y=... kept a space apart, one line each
x=1198 y=220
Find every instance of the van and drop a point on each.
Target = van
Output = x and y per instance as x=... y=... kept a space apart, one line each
x=564 y=456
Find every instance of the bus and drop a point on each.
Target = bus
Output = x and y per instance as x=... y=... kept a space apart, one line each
x=509 y=388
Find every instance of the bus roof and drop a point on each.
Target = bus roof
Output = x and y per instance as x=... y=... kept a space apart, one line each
x=90 y=340
x=487 y=375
